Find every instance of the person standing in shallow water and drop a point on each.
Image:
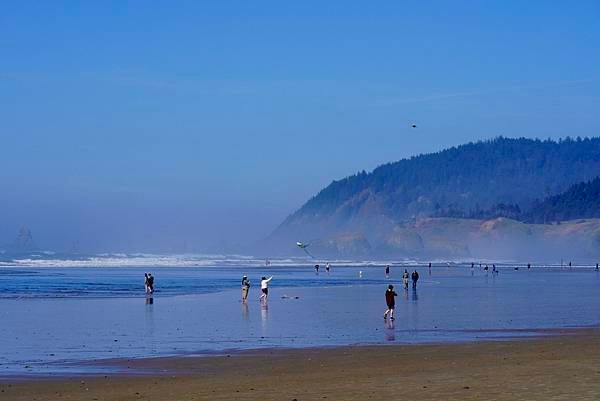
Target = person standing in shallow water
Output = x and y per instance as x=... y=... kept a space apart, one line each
x=387 y=271
x=264 y=287
x=150 y=283
x=405 y=277
x=146 y=282
x=245 y=288
x=390 y=300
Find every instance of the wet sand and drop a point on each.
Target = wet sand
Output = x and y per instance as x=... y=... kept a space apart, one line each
x=564 y=367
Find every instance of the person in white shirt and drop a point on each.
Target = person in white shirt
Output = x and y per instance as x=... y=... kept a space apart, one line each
x=264 y=287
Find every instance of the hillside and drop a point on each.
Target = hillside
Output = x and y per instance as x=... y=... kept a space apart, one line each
x=579 y=201
x=476 y=176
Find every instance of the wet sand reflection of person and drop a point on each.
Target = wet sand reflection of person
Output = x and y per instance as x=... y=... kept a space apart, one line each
x=245 y=313
x=415 y=296
x=390 y=331
x=149 y=315
x=264 y=315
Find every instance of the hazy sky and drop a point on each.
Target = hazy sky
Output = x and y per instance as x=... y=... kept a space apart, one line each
x=136 y=125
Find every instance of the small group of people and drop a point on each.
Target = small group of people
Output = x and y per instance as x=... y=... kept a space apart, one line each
x=149 y=283
x=327 y=268
x=406 y=276
x=414 y=277
x=264 y=288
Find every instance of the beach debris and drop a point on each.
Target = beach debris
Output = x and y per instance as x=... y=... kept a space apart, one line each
x=285 y=296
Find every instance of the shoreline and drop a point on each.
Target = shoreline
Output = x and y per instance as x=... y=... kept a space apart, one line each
x=161 y=365
x=155 y=365
x=562 y=366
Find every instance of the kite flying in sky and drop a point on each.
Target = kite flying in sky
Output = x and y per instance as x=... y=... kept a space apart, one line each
x=303 y=246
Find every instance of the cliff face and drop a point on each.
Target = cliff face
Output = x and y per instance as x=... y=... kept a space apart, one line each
x=467 y=238
x=388 y=212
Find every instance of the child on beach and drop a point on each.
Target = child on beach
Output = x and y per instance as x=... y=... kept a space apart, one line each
x=390 y=300
x=264 y=287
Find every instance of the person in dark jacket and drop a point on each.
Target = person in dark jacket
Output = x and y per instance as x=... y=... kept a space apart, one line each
x=415 y=278
x=390 y=300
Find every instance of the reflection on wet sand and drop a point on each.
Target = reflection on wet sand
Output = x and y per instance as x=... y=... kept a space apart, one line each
x=390 y=332
x=149 y=315
x=264 y=314
x=245 y=313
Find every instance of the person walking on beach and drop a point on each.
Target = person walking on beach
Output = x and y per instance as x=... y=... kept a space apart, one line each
x=245 y=288
x=472 y=269
x=405 y=279
x=387 y=271
x=596 y=266
x=146 y=289
x=390 y=300
x=415 y=278
x=317 y=269
x=327 y=267
x=264 y=287
x=430 y=268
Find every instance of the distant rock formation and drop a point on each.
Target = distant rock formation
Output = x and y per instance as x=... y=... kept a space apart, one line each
x=24 y=241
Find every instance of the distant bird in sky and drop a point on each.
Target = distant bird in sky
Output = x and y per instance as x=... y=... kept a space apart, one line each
x=414 y=125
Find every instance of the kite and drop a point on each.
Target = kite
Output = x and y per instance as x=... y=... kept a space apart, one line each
x=303 y=246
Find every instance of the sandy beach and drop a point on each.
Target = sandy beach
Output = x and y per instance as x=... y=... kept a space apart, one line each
x=562 y=367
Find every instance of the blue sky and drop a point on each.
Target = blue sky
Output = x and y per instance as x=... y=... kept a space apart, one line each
x=146 y=125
